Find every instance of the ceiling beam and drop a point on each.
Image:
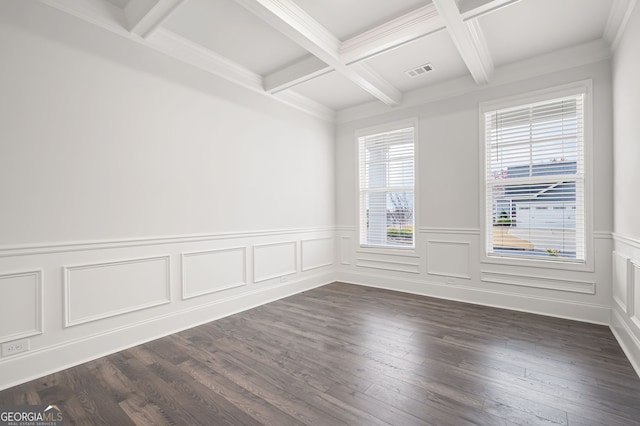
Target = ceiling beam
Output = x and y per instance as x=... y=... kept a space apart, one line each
x=470 y=9
x=411 y=26
x=145 y=16
x=296 y=73
x=406 y=28
x=468 y=39
x=187 y=51
x=291 y=20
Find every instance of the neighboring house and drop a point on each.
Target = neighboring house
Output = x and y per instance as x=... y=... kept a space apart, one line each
x=547 y=208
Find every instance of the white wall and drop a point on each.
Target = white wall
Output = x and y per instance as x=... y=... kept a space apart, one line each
x=626 y=257
x=446 y=262
x=140 y=195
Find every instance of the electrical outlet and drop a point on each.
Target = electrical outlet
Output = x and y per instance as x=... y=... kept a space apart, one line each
x=13 y=348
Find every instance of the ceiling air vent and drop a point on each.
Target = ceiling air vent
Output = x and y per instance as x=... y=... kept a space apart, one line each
x=422 y=69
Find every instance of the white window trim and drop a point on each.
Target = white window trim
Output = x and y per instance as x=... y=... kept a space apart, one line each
x=580 y=87
x=386 y=127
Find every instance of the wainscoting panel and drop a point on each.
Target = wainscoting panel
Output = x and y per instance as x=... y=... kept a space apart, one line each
x=620 y=279
x=345 y=250
x=102 y=290
x=634 y=292
x=536 y=281
x=316 y=253
x=274 y=260
x=449 y=258
x=207 y=272
x=20 y=305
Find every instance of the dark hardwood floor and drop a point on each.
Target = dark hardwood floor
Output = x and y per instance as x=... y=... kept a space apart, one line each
x=345 y=354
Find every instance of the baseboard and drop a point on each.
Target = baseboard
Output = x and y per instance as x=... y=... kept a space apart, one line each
x=559 y=308
x=47 y=360
x=628 y=341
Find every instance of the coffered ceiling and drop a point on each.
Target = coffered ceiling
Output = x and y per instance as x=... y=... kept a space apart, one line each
x=328 y=56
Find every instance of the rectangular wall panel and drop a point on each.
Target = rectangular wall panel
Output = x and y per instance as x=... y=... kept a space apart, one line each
x=449 y=258
x=634 y=309
x=536 y=281
x=391 y=264
x=316 y=253
x=620 y=279
x=345 y=250
x=20 y=305
x=274 y=260
x=211 y=271
x=103 y=290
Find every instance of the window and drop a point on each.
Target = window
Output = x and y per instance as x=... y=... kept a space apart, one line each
x=387 y=180
x=535 y=179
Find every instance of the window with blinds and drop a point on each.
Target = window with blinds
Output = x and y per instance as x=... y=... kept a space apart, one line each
x=535 y=180
x=387 y=180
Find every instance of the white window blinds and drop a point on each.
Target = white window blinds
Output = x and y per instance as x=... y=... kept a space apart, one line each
x=535 y=180
x=387 y=188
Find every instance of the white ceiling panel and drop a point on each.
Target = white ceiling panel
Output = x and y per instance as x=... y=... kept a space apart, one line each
x=334 y=91
x=347 y=18
x=229 y=30
x=533 y=27
x=437 y=49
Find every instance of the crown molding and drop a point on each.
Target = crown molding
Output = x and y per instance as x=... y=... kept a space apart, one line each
x=617 y=22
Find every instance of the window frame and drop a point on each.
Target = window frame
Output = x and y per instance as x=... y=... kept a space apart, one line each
x=387 y=127
x=580 y=87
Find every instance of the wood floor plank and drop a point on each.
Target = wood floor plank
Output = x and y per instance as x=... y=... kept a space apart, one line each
x=352 y=355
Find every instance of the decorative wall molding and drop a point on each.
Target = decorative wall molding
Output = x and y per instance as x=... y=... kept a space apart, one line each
x=345 y=250
x=554 y=307
x=62 y=247
x=633 y=299
x=211 y=271
x=537 y=281
x=145 y=281
x=316 y=253
x=388 y=265
x=627 y=338
x=625 y=239
x=449 y=258
x=602 y=235
x=40 y=361
x=460 y=231
x=621 y=267
x=274 y=260
x=19 y=303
